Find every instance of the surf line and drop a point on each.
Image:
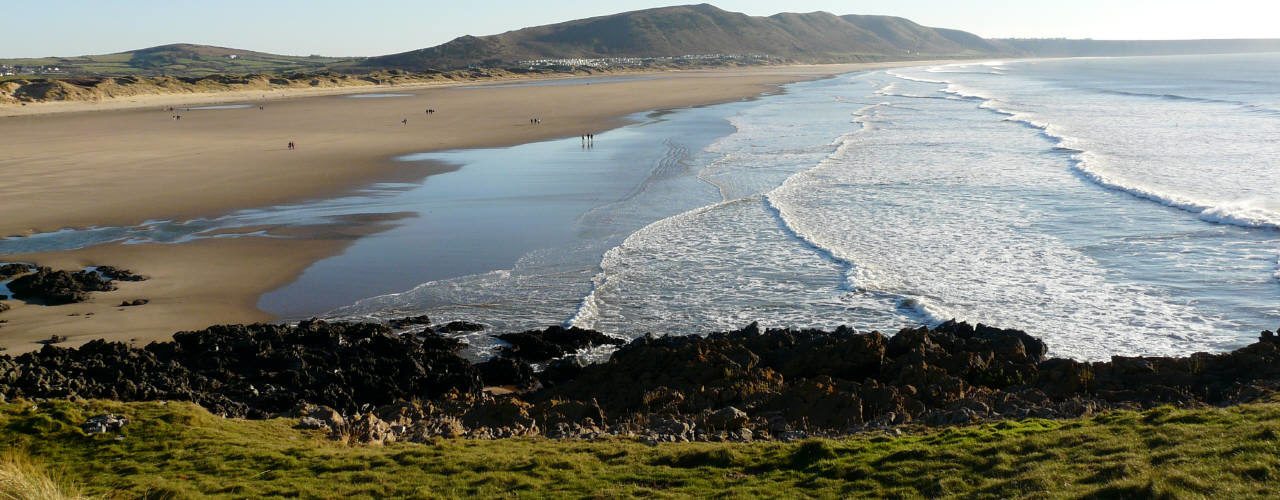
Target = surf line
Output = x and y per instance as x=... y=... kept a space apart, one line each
x=1215 y=213
x=912 y=306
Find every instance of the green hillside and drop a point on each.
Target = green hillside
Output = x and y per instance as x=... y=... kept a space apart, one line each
x=177 y=450
x=702 y=29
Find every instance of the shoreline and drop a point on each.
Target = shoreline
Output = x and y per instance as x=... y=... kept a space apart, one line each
x=186 y=99
x=122 y=167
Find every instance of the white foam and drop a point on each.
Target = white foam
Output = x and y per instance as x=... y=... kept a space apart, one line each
x=913 y=78
x=1245 y=213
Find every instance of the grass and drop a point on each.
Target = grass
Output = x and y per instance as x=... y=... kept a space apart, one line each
x=20 y=479
x=178 y=450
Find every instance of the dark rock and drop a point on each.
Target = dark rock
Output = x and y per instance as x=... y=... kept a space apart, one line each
x=134 y=303
x=253 y=370
x=58 y=287
x=53 y=339
x=117 y=274
x=507 y=372
x=562 y=370
x=459 y=326
x=365 y=383
x=553 y=342
x=10 y=270
x=401 y=323
x=3 y=307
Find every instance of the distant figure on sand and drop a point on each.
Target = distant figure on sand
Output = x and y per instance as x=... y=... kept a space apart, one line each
x=291 y=146
x=404 y=121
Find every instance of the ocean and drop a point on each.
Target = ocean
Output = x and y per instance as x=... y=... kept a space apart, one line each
x=1111 y=206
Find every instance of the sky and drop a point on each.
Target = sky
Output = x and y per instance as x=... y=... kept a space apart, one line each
x=376 y=27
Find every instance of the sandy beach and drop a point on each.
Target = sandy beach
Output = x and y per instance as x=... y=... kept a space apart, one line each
x=79 y=165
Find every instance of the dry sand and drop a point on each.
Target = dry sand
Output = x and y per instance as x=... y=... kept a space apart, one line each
x=124 y=162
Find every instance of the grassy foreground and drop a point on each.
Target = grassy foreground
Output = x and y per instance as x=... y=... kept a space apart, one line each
x=178 y=450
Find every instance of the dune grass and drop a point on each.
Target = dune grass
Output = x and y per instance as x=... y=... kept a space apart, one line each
x=178 y=450
x=21 y=479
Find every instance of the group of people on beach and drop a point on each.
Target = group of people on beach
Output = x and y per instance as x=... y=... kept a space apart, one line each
x=588 y=140
x=535 y=121
x=292 y=146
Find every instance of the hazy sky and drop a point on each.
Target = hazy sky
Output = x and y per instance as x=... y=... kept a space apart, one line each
x=374 y=27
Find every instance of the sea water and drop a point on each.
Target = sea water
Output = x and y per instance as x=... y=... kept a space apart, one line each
x=1109 y=206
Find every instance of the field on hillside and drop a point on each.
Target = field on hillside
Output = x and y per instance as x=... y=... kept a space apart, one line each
x=179 y=450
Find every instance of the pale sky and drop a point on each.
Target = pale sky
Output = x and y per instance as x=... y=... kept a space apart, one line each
x=376 y=27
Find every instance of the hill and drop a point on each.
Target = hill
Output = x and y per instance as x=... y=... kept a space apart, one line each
x=175 y=60
x=689 y=35
x=672 y=32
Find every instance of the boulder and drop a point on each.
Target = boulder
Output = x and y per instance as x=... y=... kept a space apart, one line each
x=727 y=418
x=104 y=423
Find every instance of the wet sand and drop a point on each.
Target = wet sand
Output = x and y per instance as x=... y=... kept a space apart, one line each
x=115 y=163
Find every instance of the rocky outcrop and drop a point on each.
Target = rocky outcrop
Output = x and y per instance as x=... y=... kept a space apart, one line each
x=51 y=287
x=116 y=274
x=8 y=271
x=406 y=322
x=459 y=326
x=253 y=370
x=365 y=383
x=553 y=342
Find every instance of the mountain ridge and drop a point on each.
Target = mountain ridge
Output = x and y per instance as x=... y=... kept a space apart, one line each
x=681 y=36
x=701 y=29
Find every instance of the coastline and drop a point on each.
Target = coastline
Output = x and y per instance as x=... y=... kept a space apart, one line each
x=124 y=165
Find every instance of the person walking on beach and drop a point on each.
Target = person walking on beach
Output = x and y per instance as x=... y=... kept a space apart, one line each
x=404 y=121
x=291 y=145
